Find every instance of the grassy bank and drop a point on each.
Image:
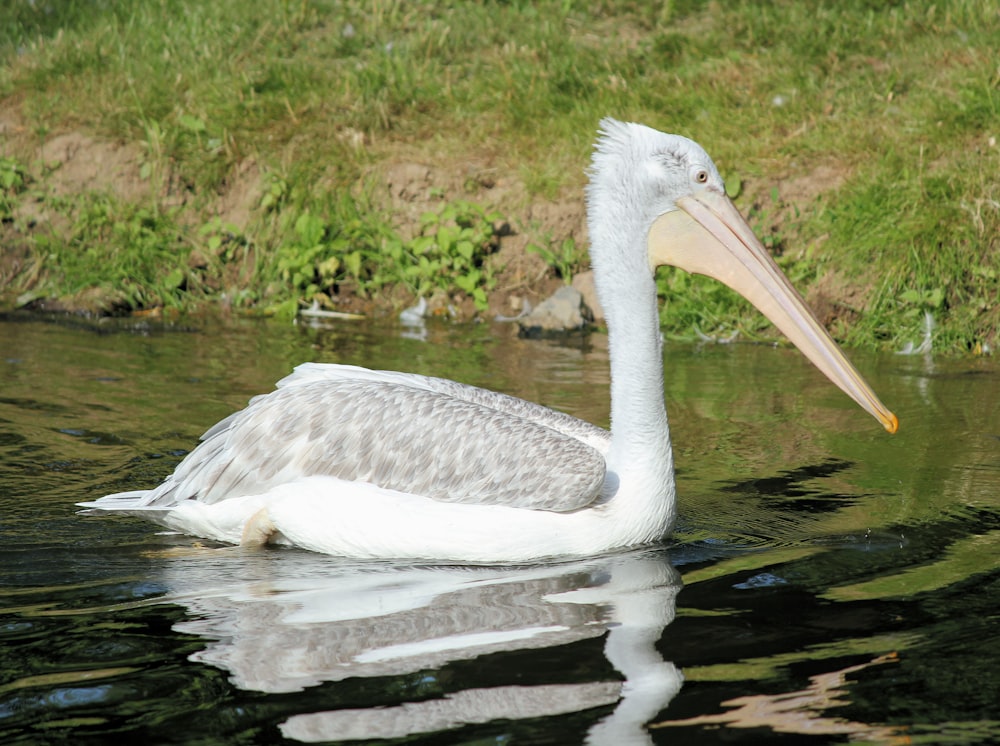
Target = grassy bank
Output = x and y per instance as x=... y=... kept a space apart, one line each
x=253 y=154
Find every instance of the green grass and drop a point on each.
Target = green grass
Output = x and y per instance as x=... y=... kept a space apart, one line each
x=900 y=98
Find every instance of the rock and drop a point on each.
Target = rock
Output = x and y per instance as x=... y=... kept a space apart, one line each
x=564 y=311
x=584 y=282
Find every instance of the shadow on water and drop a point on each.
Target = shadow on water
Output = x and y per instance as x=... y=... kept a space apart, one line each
x=825 y=584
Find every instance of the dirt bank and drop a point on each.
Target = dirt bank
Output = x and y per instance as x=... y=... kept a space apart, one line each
x=67 y=164
x=64 y=165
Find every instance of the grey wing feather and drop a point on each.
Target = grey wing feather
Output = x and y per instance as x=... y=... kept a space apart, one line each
x=559 y=421
x=415 y=434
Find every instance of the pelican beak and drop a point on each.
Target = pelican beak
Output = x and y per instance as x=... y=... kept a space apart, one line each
x=707 y=235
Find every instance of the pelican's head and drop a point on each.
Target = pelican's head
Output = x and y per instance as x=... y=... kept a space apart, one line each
x=638 y=174
x=666 y=191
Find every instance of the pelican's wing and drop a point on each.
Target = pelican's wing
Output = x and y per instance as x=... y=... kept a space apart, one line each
x=415 y=434
x=559 y=421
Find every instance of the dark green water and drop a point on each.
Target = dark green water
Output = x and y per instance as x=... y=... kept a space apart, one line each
x=828 y=583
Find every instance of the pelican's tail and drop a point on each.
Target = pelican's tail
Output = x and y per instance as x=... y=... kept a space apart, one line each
x=127 y=503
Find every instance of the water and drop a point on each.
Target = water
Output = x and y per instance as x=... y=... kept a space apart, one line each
x=827 y=583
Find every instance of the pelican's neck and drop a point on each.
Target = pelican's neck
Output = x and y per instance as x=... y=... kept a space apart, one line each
x=640 y=439
x=640 y=461
x=624 y=197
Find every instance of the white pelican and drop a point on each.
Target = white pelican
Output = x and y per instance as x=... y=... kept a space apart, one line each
x=378 y=464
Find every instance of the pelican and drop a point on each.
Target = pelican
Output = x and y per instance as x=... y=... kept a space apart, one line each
x=378 y=464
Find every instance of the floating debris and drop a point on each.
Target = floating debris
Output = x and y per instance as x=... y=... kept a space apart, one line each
x=925 y=346
x=525 y=311
x=717 y=339
x=414 y=315
x=315 y=312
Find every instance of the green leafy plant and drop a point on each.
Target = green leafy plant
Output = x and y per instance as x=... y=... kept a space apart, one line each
x=323 y=256
x=223 y=240
x=451 y=250
x=565 y=258
x=13 y=181
x=135 y=255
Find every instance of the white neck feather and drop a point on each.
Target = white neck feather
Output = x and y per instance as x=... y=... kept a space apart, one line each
x=640 y=455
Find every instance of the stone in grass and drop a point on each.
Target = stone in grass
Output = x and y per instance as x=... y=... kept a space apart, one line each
x=565 y=311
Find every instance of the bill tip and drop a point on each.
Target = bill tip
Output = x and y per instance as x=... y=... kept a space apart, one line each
x=891 y=423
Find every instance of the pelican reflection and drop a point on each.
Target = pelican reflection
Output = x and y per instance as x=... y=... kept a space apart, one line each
x=284 y=621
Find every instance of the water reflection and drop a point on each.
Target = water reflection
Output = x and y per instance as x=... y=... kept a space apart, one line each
x=283 y=621
x=802 y=712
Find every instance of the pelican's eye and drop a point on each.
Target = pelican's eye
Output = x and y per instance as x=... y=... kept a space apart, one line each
x=701 y=176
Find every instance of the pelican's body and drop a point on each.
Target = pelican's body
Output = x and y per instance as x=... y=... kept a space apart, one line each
x=378 y=464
